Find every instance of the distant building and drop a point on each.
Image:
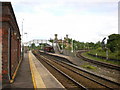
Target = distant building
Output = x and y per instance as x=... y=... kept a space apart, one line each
x=10 y=42
x=64 y=42
x=55 y=39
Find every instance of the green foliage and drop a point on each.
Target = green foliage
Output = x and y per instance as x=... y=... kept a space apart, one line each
x=81 y=45
x=33 y=46
x=40 y=46
x=113 y=47
x=91 y=45
x=51 y=40
x=89 y=67
x=101 y=52
x=99 y=49
x=87 y=45
x=112 y=55
x=69 y=40
x=64 y=46
x=113 y=42
x=118 y=53
x=97 y=45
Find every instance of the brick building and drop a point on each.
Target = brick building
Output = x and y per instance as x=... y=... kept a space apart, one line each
x=10 y=42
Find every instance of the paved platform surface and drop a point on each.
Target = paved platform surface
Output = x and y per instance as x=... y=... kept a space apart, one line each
x=47 y=79
x=23 y=78
x=32 y=74
x=74 y=60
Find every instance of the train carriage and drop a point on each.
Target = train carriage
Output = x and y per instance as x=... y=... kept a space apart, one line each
x=48 y=49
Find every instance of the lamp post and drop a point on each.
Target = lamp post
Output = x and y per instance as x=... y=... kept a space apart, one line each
x=72 y=46
x=22 y=41
x=62 y=46
x=117 y=50
x=26 y=37
x=107 y=53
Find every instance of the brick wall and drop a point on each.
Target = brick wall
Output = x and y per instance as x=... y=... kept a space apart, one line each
x=14 y=52
x=4 y=55
x=9 y=27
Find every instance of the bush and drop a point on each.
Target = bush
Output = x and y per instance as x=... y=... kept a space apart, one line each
x=99 y=49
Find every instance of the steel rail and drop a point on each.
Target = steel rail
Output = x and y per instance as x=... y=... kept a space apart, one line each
x=91 y=73
x=98 y=62
x=90 y=77
x=82 y=74
x=85 y=71
x=77 y=83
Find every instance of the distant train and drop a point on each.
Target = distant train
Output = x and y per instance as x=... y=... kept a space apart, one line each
x=48 y=49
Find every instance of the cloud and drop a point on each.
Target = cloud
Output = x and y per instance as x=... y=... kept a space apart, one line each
x=45 y=25
x=83 y=20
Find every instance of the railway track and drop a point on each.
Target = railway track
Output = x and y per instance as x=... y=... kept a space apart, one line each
x=66 y=80
x=79 y=54
x=80 y=76
x=96 y=78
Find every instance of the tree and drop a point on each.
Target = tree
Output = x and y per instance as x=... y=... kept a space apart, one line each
x=51 y=40
x=91 y=45
x=33 y=46
x=81 y=45
x=113 y=42
x=69 y=40
x=97 y=45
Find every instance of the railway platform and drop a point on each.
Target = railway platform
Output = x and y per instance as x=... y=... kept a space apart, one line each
x=42 y=78
x=23 y=77
x=71 y=59
x=32 y=74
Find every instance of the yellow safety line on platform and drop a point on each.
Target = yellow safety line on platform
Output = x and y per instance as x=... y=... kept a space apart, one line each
x=14 y=75
x=33 y=78
x=37 y=80
x=51 y=74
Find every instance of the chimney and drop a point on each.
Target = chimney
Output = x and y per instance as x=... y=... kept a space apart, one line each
x=66 y=36
x=56 y=38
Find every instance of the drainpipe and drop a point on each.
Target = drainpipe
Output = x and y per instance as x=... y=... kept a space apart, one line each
x=9 y=54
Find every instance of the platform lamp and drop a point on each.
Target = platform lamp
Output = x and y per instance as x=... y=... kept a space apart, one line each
x=26 y=36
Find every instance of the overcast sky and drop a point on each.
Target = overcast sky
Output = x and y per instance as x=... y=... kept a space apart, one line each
x=82 y=20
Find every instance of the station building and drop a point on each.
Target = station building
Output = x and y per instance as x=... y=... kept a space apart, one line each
x=10 y=42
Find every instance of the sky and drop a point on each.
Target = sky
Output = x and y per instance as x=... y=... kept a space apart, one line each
x=82 y=20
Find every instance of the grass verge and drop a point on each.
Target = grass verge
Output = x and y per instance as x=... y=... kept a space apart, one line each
x=89 y=67
x=102 y=60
